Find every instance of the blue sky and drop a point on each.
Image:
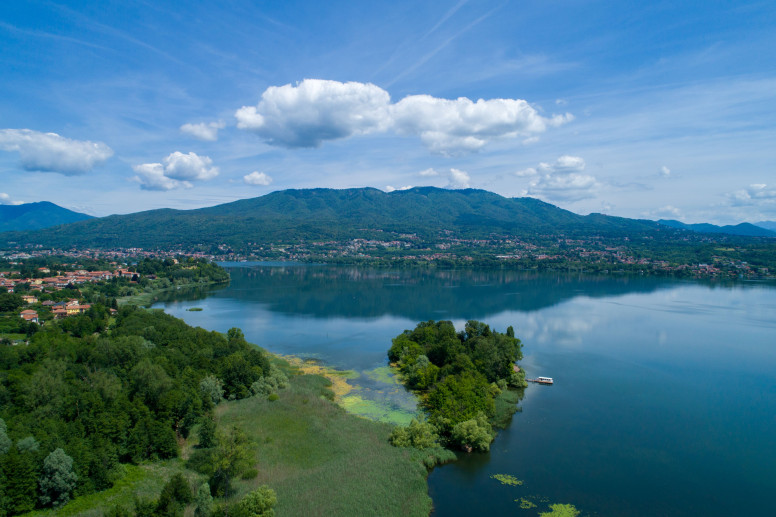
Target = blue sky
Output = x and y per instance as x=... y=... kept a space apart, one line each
x=638 y=109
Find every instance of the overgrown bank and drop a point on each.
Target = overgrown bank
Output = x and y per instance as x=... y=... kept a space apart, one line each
x=127 y=412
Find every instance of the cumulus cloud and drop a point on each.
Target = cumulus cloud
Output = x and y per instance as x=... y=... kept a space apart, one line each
x=204 y=131
x=257 y=178
x=50 y=152
x=5 y=199
x=665 y=212
x=456 y=178
x=457 y=126
x=755 y=194
x=389 y=188
x=178 y=170
x=315 y=110
x=561 y=180
x=665 y=171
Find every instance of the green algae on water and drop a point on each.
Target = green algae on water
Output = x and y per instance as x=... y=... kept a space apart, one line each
x=507 y=479
x=561 y=510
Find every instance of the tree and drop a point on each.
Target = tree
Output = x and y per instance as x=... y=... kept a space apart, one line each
x=5 y=442
x=476 y=433
x=204 y=501
x=259 y=503
x=212 y=388
x=20 y=481
x=231 y=456
x=175 y=495
x=58 y=479
x=207 y=432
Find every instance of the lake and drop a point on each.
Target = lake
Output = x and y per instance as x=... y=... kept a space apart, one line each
x=664 y=400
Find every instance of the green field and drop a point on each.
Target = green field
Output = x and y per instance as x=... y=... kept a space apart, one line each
x=319 y=459
x=323 y=461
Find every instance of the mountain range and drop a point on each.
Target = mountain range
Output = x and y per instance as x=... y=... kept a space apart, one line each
x=339 y=215
x=745 y=229
x=34 y=216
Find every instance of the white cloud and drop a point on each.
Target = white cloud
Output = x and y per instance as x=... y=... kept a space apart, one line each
x=562 y=180
x=314 y=111
x=177 y=171
x=389 y=188
x=664 y=212
x=457 y=126
x=665 y=171
x=5 y=199
x=257 y=178
x=190 y=166
x=49 y=152
x=458 y=179
x=204 y=131
x=757 y=194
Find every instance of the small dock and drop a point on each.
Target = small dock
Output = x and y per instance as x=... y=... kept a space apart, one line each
x=541 y=380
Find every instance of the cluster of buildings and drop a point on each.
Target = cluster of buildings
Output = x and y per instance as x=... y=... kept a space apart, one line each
x=59 y=310
x=60 y=281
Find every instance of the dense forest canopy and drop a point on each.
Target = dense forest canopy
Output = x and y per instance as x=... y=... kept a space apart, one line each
x=459 y=375
x=123 y=395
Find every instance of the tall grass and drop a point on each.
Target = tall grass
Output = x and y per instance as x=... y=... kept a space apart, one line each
x=323 y=461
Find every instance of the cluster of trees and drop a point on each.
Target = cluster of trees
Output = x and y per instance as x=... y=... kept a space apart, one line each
x=458 y=375
x=79 y=406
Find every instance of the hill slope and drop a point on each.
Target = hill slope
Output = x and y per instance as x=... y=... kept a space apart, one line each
x=744 y=229
x=328 y=214
x=34 y=216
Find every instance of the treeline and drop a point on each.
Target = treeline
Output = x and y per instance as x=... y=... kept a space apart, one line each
x=74 y=409
x=459 y=376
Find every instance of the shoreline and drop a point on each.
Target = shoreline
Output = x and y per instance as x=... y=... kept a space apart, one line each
x=149 y=298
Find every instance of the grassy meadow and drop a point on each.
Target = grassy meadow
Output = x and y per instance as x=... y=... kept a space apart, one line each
x=323 y=461
x=319 y=459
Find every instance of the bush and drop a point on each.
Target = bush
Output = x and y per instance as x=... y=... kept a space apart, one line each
x=207 y=432
x=259 y=503
x=204 y=501
x=476 y=434
x=212 y=388
x=250 y=474
x=420 y=435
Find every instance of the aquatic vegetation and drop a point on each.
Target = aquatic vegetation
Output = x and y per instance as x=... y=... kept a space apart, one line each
x=525 y=504
x=374 y=410
x=195 y=309
x=561 y=510
x=507 y=479
x=338 y=378
x=384 y=374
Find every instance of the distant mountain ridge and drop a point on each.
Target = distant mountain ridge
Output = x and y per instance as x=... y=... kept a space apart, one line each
x=35 y=216
x=768 y=225
x=744 y=229
x=330 y=214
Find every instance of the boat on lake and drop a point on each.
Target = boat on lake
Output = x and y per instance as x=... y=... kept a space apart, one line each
x=541 y=380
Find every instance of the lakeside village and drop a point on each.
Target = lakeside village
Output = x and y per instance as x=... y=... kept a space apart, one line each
x=30 y=289
x=85 y=289
x=591 y=255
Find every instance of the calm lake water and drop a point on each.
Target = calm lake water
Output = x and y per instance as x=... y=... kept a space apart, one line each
x=665 y=394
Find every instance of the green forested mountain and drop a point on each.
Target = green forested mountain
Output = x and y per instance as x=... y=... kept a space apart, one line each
x=745 y=229
x=34 y=216
x=328 y=214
